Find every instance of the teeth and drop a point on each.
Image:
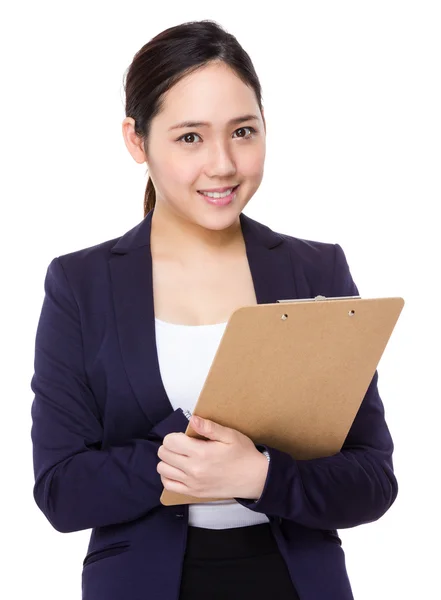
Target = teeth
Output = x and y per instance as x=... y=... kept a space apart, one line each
x=218 y=194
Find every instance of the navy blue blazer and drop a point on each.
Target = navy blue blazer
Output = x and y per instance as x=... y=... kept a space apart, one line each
x=100 y=413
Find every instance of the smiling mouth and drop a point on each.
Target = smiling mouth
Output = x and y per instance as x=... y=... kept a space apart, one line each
x=206 y=192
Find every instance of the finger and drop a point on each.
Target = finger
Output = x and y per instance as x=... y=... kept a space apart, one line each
x=166 y=470
x=175 y=486
x=183 y=444
x=172 y=458
x=212 y=430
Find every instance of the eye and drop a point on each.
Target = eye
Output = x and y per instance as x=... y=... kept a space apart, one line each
x=192 y=134
x=186 y=136
x=250 y=128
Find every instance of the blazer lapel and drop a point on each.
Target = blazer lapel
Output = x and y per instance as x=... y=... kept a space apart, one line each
x=130 y=264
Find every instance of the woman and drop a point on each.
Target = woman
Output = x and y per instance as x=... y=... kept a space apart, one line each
x=127 y=333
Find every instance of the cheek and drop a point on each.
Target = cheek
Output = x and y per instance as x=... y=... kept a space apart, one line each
x=251 y=166
x=173 y=167
x=186 y=173
x=178 y=172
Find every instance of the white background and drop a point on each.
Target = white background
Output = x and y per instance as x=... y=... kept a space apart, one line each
x=352 y=101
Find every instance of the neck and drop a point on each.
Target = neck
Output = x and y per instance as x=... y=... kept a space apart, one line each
x=177 y=235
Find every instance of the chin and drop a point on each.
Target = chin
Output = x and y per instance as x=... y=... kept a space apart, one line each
x=222 y=220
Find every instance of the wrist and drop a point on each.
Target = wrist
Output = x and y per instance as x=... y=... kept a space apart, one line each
x=261 y=473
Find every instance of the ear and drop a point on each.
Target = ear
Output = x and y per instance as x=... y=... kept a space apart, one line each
x=133 y=141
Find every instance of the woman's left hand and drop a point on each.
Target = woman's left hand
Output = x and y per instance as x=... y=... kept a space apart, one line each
x=227 y=465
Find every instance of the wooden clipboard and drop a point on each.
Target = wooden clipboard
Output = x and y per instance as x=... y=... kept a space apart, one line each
x=293 y=374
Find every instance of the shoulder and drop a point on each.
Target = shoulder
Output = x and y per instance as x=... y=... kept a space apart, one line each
x=311 y=252
x=84 y=271
x=315 y=260
x=87 y=260
x=323 y=263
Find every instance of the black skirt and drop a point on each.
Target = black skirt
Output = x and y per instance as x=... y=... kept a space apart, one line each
x=238 y=563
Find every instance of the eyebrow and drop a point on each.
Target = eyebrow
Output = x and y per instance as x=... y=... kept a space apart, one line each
x=234 y=121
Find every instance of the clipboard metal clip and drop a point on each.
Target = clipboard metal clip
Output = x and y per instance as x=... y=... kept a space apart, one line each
x=319 y=298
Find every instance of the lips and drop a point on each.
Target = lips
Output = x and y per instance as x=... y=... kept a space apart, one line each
x=219 y=191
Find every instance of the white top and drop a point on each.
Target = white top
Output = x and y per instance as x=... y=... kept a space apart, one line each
x=185 y=354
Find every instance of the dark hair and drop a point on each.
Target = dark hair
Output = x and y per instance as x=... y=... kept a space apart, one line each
x=166 y=59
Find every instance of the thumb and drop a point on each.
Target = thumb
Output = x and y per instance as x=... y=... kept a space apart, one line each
x=210 y=429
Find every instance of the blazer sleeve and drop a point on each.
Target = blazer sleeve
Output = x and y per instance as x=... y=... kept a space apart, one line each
x=355 y=486
x=78 y=486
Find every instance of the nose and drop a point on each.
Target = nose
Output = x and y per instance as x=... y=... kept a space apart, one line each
x=220 y=161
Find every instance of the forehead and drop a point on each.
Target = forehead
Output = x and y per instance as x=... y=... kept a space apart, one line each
x=212 y=93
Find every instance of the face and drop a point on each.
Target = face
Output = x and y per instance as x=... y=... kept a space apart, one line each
x=181 y=161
